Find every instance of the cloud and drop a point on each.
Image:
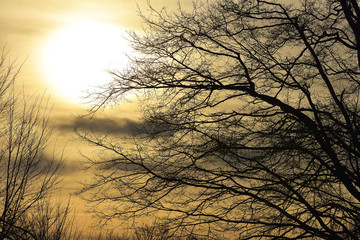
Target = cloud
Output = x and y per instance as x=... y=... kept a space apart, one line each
x=46 y=162
x=100 y=125
x=105 y=125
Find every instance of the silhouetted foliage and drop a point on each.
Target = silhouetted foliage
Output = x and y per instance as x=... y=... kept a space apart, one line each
x=260 y=100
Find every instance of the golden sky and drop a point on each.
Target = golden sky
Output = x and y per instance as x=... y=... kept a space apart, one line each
x=58 y=55
x=52 y=35
x=29 y=27
x=60 y=42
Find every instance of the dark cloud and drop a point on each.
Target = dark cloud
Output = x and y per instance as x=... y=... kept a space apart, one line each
x=112 y=126
x=46 y=162
x=101 y=125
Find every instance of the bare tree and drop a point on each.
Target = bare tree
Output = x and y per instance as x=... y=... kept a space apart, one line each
x=27 y=175
x=52 y=221
x=254 y=112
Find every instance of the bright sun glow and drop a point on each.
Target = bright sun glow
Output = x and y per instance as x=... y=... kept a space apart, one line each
x=78 y=56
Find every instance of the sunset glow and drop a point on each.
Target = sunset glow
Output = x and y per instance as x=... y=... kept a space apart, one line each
x=179 y=119
x=78 y=56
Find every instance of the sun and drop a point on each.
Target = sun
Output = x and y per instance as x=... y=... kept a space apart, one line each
x=78 y=56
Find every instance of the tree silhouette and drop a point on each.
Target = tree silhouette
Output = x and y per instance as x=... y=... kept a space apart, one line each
x=27 y=175
x=254 y=112
x=51 y=221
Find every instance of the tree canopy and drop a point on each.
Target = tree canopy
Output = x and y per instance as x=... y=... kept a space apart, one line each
x=253 y=112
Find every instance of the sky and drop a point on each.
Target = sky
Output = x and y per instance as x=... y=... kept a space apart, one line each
x=59 y=43
x=30 y=28
x=65 y=48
